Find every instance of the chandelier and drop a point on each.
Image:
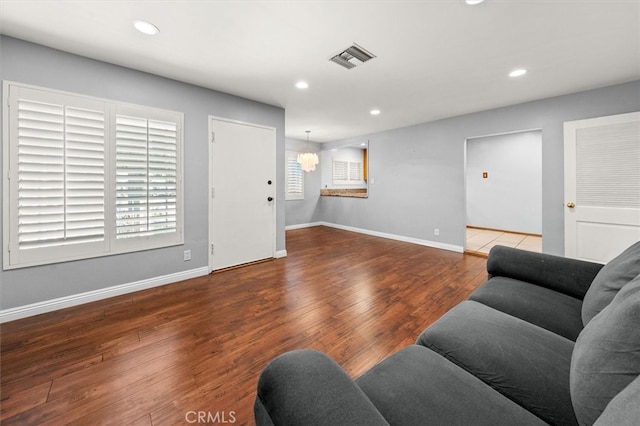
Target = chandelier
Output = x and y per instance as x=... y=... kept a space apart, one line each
x=308 y=160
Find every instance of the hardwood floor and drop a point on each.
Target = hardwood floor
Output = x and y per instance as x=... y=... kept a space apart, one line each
x=160 y=356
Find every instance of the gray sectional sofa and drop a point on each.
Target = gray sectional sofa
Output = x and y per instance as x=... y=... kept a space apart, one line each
x=546 y=340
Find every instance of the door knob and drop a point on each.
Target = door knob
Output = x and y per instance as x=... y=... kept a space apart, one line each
x=269 y=198
x=571 y=204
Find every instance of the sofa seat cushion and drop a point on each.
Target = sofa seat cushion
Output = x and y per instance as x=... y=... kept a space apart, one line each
x=524 y=362
x=417 y=386
x=624 y=408
x=606 y=357
x=611 y=278
x=549 y=309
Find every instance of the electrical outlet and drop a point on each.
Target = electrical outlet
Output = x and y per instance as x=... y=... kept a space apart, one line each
x=187 y=255
x=436 y=232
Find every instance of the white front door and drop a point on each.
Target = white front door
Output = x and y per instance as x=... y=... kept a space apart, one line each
x=602 y=186
x=243 y=183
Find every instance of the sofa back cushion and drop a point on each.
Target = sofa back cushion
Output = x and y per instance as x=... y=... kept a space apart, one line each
x=606 y=356
x=615 y=274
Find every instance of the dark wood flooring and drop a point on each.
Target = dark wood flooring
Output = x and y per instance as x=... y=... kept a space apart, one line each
x=159 y=356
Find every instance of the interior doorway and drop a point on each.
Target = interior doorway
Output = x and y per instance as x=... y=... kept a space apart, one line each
x=503 y=187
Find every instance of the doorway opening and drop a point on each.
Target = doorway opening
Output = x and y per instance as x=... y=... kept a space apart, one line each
x=503 y=187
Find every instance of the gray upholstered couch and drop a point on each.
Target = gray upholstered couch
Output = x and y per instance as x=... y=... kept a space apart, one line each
x=546 y=340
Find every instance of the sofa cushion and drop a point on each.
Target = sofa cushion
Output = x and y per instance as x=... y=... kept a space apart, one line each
x=606 y=357
x=562 y=274
x=538 y=305
x=615 y=274
x=524 y=362
x=307 y=388
x=417 y=386
x=624 y=408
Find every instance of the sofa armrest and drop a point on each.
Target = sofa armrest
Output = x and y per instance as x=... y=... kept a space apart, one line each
x=307 y=388
x=569 y=276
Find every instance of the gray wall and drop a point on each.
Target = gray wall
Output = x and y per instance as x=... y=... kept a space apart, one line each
x=510 y=197
x=306 y=211
x=417 y=173
x=28 y=63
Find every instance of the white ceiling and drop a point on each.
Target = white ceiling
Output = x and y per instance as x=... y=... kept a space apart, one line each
x=435 y=59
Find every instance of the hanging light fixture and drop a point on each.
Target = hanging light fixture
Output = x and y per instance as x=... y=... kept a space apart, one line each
x=308 y=160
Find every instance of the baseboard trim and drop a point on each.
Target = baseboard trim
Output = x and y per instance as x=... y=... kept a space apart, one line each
x=25 y=311
x=303 y=225
x=427 y=243
x=504 y=230
x=280 y=253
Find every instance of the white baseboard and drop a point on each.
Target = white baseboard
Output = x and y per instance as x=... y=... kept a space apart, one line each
x=19 y=312
x=280 y=253
x=303 y=225
x=428 y=243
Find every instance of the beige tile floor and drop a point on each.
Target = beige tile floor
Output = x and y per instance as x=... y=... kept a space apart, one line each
x=480 y=241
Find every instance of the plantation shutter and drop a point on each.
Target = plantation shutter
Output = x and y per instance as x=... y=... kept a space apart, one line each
x=347 y=172
x=355 y=171
x=146 y=176
x=58 y=178
x=87 y=177
x=340 y=171
x=294 y=178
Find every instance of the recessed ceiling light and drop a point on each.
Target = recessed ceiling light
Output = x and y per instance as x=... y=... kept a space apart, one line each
x=146 y=27
x=374 y=112
x=472 y=2
x=302 y=85
x=518 y=72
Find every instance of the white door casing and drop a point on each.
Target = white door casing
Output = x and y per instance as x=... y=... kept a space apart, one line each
x=242 y=193
x=602 y=186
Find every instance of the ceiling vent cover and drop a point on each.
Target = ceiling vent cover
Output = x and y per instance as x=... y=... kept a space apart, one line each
x=352 y=57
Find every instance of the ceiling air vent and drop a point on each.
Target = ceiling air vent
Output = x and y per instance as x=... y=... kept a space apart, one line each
x=352 y=57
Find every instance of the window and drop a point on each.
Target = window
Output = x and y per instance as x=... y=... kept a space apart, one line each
x=87 y=177
x=146 y=178
x=294 y=181
x=347 y=172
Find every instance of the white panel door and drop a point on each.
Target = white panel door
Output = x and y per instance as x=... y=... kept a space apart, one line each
x=602 y=186
x=242 y=219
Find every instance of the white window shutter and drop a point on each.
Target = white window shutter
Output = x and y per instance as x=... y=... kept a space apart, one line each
x=163 y=176
x=131 y=176
x=146 y=176
x=355 y=171
x=347 y=172
x=294 y=185
x=87 y=177
x=340 y=171
x=60 y=175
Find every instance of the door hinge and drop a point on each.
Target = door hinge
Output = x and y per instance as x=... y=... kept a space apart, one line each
x=213 y=193
x=212 y=249
x=213 y=136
